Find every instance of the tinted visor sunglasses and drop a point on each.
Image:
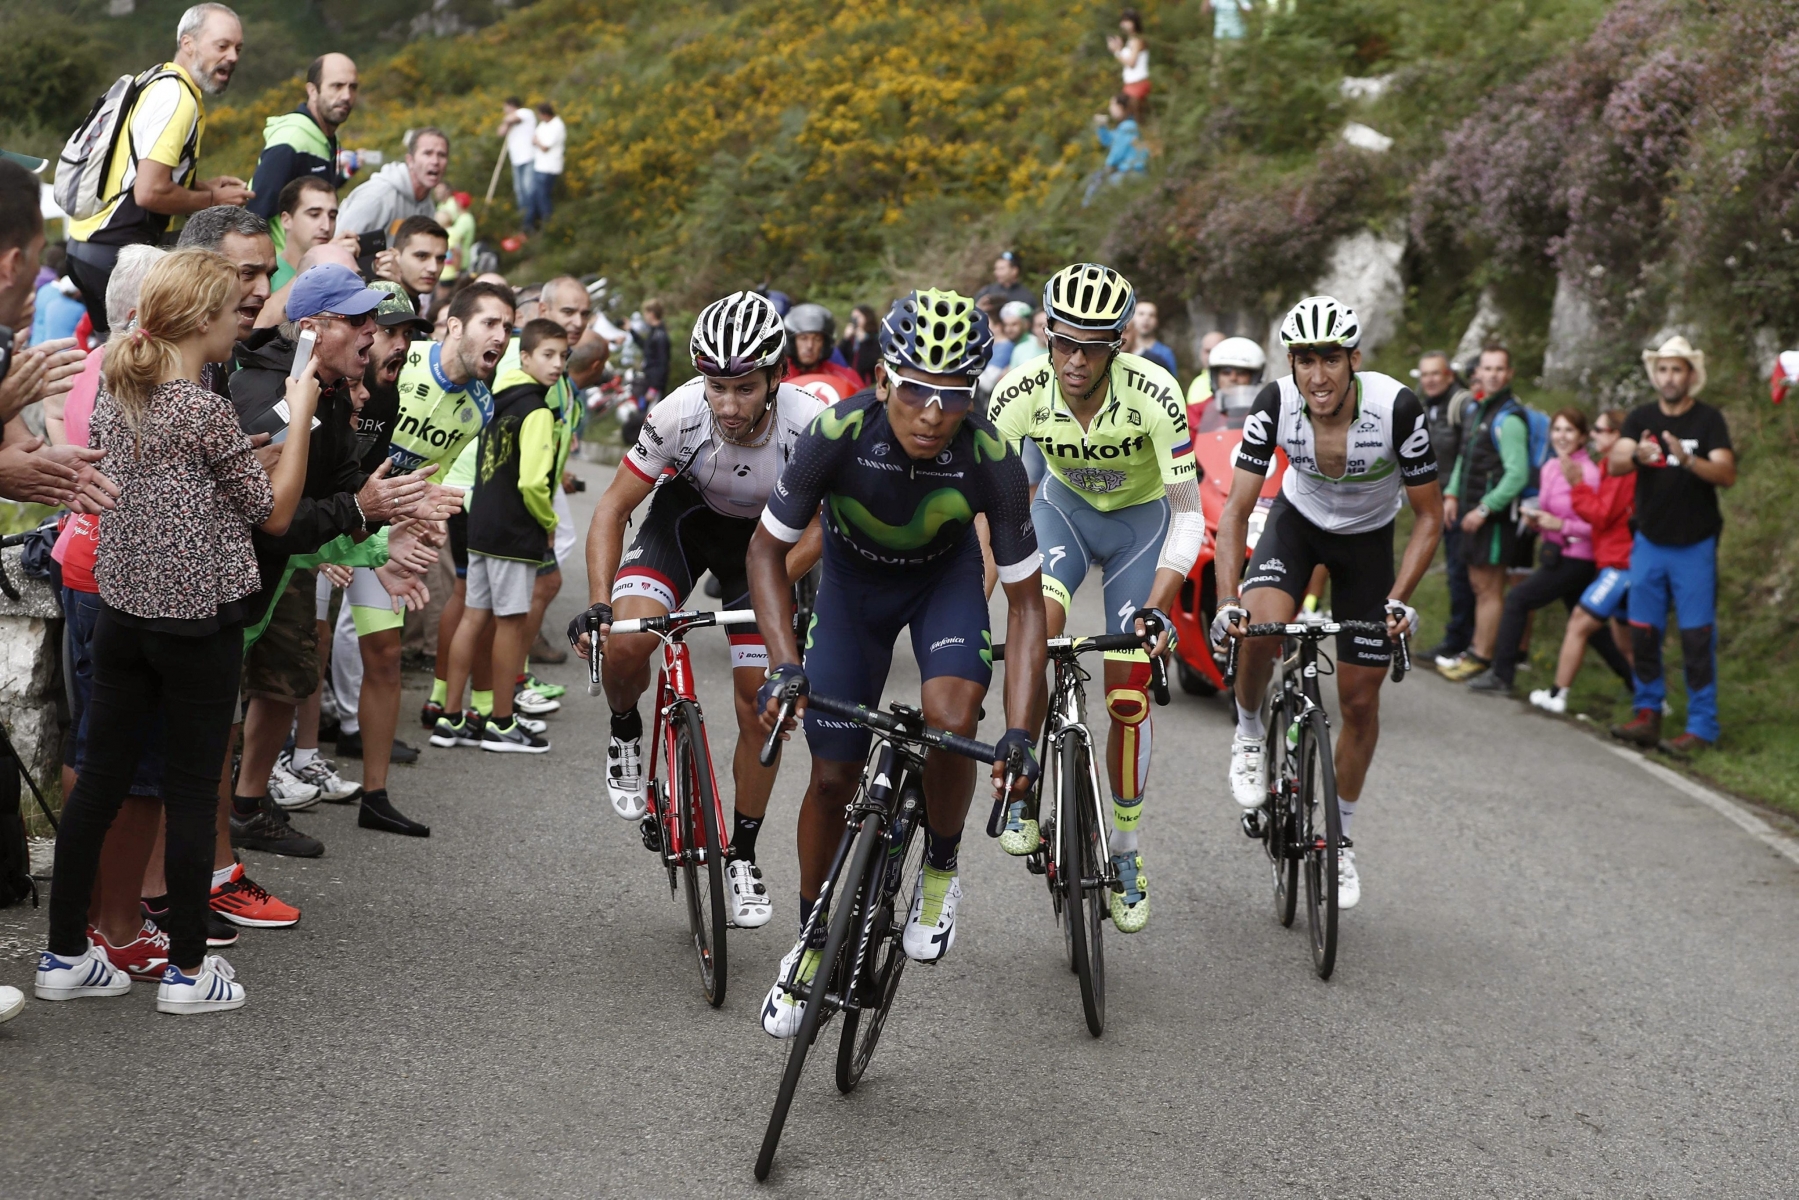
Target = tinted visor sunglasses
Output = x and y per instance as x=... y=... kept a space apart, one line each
x=915 y=394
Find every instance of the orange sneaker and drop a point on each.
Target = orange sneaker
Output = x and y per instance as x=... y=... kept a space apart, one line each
x=242 y=901
x=143 y=958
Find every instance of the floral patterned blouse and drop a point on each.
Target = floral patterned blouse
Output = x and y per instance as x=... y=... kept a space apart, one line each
x=177 y=546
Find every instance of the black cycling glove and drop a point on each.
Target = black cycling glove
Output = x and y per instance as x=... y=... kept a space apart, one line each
x=599 y=614
x=1154 y=622
x=1020 y=739
x=787 y=676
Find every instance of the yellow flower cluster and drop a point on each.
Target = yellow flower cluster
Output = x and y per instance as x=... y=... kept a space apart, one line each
x=797 y=139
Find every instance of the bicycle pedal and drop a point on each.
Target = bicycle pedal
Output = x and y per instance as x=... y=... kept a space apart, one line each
x=1035 y=864
x=1252 y=824
x=651 y=830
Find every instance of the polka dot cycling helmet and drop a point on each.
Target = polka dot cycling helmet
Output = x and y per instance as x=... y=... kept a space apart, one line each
x=1090 y=297
x=940 y=332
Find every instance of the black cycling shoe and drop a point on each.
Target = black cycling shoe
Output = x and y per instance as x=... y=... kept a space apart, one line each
x=219 y=931
x=379 y=813
x=269 y=830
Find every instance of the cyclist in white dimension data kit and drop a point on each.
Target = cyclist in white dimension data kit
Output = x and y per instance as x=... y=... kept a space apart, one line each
x=1358 y=448
x=1122 y=492
x=711 y=451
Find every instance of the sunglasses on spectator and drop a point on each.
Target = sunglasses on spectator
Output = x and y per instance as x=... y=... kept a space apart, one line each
x=1063 y=344
x=914 y=394
x=1604 y=429
x=355 y=322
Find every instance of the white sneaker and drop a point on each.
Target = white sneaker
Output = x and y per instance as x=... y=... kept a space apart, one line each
x=1349 y=884
x=750 y=904
x=529 y=724
x=624 y=778
x=321 y=774
x=207 y=990
x=1550 y=700
x=289 y=791
x=210 y=989
x=533 y=703
x=930 y=941
x=92 y=974
x=781 y=1013
x=1249 y=771
x=12 y=1003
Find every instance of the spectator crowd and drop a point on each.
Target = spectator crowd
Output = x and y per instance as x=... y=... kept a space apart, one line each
x=240 y=397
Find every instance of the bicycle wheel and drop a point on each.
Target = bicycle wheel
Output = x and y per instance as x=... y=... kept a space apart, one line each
x=842 y=898
x=1278 y=834
x=1082 y=859
x=886 y=957
x=1322 y=832
x=696 y=809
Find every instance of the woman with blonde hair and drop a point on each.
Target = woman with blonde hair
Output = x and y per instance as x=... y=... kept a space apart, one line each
x=174 y=566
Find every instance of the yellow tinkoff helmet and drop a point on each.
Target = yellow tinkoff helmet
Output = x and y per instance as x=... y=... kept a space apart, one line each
x=1090 y=297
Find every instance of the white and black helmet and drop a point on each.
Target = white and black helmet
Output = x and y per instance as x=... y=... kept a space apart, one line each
x=1322 y=321
x=737 y=335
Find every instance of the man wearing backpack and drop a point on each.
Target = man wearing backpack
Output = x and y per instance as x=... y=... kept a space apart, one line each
x=1490 y=476
x=150 y=174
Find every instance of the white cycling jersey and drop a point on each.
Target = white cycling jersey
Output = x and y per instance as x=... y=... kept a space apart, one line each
x=680 y=437
x=1388 y=444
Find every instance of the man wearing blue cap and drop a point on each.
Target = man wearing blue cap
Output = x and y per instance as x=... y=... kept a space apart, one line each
x=282 y=667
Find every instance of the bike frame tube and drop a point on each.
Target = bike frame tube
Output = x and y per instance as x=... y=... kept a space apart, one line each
x=675 y=686
x=1069 y=718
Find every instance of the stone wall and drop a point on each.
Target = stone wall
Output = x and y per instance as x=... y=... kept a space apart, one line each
x=31 y=670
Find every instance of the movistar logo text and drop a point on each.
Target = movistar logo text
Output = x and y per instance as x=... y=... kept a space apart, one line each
x=933 y=513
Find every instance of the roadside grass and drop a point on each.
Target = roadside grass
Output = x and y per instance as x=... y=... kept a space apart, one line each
x=1758 y=757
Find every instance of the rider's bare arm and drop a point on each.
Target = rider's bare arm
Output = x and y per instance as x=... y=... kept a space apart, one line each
x=1427 y=526
x=1233 y=530
x=806 y=552
x=771 y=596
x=1027 y=629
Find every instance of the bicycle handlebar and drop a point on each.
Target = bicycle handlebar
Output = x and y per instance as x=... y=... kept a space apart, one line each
x=679 y=621
x=1106 y=642
x=1318 y=631
x=883 y=723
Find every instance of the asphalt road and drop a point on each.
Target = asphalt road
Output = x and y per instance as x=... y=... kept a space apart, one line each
x=1565 y=978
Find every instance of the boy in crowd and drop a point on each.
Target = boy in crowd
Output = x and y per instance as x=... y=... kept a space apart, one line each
x=511 y=531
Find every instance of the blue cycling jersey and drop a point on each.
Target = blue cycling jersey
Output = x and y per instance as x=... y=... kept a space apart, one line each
x=887 y=511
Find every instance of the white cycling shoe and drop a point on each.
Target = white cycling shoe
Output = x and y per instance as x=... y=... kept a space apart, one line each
x=931 y=926
x=750 y=904
x=1249 y=771
x=781 y=1012
x=624 y=778
x=1349 y=884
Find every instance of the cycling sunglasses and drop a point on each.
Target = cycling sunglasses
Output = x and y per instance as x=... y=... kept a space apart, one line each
x=1063 y=344
x=355 y=322
x=914 y=394
x=730 y=368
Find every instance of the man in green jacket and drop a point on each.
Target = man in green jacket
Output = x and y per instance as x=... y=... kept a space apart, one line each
x=1490 y=474
x=304 y=142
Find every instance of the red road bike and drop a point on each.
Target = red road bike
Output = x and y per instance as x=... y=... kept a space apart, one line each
x=685 y=823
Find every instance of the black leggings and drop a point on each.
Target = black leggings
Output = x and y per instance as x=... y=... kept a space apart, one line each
x=1565 y=582
x=194 y=680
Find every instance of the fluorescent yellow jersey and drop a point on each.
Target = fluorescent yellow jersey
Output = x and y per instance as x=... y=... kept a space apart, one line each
x=1136 y=446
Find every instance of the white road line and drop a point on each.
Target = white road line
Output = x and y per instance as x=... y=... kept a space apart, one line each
x=1717 y=802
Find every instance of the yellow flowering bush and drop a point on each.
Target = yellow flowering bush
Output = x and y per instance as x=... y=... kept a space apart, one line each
x=717 y=145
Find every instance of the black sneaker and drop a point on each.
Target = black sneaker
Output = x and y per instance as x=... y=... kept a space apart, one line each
x=219 y=931
x=430 y=714
x=464 y=731
x=269 y=830
x=349 y=745
x=1490 y=684
x=512 y=738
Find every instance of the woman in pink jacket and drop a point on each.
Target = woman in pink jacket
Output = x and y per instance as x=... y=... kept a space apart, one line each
x=1565 y=563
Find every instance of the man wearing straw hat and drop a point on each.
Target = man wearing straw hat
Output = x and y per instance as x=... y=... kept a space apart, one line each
x=1680 y=450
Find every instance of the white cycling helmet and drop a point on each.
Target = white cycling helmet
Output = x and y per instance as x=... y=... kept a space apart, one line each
x=737 y=335
x=1238 y=352
x=1320 y=321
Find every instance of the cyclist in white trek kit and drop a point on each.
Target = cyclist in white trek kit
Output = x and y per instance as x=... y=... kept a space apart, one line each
x=711 y=451
x=1354 y=439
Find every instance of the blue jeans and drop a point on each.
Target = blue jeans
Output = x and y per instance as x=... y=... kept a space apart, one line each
x=1458 y=634
x=1687 y=578
x=524 y=191
x=542 y=184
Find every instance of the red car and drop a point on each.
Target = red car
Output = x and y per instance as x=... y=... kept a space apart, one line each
x=1217 y=427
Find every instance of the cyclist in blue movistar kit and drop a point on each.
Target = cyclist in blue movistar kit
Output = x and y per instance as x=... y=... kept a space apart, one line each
x=900 y=473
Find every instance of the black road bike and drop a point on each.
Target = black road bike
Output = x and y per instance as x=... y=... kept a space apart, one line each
x=1298 y=823
x=862 y=908
x=1072 y=855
